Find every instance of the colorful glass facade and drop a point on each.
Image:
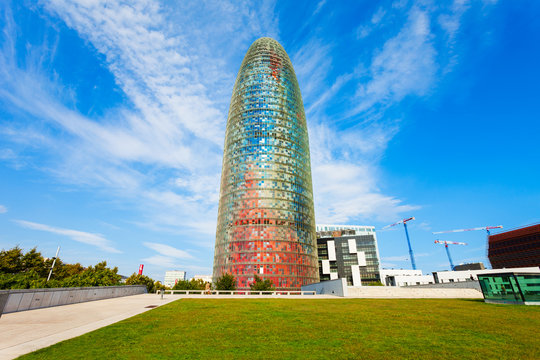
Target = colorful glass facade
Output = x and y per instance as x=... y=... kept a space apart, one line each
x=266 y=222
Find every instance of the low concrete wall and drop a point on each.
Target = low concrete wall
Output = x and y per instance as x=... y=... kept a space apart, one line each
x=473 y=284
x=412 y=292
x=29 y=299
x=336 y=287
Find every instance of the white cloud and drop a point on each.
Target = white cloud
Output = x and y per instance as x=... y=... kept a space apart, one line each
x=346 y=191
x=97 y=240
x=396 y=258
x=311 y=63
x=404 y=257
x=163 y=154
x=178 y=76
x=168 y=263
x=406 y=65
x=168 y=251
x=366 y=29
x=319 y=7
x=3 y=209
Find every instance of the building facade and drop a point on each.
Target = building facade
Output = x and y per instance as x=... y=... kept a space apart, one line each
x=349 y=252
x=515 y=248
x=266 y=222
x=172 y=277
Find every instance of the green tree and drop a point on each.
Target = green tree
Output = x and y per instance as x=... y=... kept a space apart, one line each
x=98 y=275
x=190 y=285
x=20 y=270
x=262 y=285
x=62 y=271
x=11 y=260
x=136 y=279
x=198 y=284
x=34 y=261
x=159 y=286
x=226 y=282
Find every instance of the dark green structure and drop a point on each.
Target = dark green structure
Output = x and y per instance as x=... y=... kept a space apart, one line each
x=511 y=288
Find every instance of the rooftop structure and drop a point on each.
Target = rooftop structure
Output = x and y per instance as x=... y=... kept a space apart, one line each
x=469 y=266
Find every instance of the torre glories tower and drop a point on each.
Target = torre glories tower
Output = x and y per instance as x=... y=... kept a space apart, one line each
x=266 y=222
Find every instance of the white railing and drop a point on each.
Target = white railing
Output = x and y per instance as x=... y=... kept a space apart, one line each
x=236 y=292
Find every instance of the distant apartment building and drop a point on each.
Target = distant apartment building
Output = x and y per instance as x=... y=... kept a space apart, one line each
x=349 y=252
x=172 y=277
x=515 y=248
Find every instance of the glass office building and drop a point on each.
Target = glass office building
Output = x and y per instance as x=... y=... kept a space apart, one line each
x=266 y=222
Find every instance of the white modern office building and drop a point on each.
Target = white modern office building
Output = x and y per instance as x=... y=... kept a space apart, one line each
x=405 y=277
x=466 y=275
x=172 y=277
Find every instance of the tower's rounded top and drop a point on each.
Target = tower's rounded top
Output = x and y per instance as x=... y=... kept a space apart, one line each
x=266 y=41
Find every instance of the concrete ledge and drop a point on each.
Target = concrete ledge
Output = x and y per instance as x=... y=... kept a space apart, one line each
x=392 y=292
x=469 y=284
x=30 y=299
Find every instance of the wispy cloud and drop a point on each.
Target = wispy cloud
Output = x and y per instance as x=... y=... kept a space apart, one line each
x=319 y=7
x=404 y=257
x=177 y=79
x=347 y=145
x=405 y=65
x=160 y=151
x=97 y=240
x=396 y=258
x=366 y=29
x=3 y=209
x=169 y=258
x=168 y=251
x=168 y=263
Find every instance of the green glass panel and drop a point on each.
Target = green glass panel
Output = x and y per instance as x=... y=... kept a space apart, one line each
x=530 y=286
x=500 y=288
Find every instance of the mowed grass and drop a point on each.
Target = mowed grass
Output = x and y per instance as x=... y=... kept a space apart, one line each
x=314 y=329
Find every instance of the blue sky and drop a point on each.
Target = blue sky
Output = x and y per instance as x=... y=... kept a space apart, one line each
x=112 y=119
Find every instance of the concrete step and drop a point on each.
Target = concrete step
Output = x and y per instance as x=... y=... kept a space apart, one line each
x=411 y=293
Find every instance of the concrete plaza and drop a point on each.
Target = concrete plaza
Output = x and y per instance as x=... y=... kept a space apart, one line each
x=27 y=331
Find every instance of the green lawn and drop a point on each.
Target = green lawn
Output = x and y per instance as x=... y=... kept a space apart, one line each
x=314 y=329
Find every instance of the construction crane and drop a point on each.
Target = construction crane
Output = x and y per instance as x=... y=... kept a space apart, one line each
x=487 y=228
x=448 y=251
x=404 y=222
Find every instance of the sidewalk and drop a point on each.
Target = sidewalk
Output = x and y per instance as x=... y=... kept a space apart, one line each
x=27 y=331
